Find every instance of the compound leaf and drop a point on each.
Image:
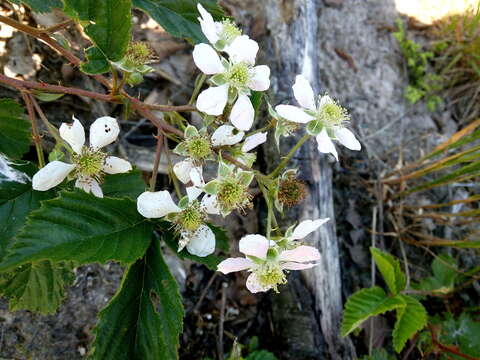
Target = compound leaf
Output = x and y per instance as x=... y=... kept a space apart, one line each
x=410 y=319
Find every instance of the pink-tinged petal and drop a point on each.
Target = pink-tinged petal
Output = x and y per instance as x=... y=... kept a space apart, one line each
x=254 y=286
x=156 y=204
x=234 y=264
x=254 y=245
x=103 y=132
x=347 y=138
x=207 y=59
x=51 y=175
x=325 y=144
x=303 y=92
x=73 y=134
x=116 y=165
x=296 y=266
x=207 y=24
x=293 y=113
x=300 y=254
x=212 y=101
x=243 y=113
x=89 y=185
x=242 y=49
x=306 y=227
x=226 y=135
x=253 y=141
x=260 y=78
x=202 y=242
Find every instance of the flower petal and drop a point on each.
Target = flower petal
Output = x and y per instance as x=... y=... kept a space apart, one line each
x=253 y=141
x=325 y=99
x=306 y=227
x=210 y=204
x=242 y=49
x=196 y=176
x=207 y=59
x=193 y=192
x=293 y=113
x=347 y=138
x=234 y=264
x=296 y=266
x=103 y=132
x=156 y=204
x=182 y=170
x=51 y=175
x=303 y=92
x=73 y=134
x=242 y=114
x=260 y=78
x=300 y=254
x=254 y=245
x=207 y=24
x=202 y=243
x=254 y=286
x=226 y=135
x=212 y=101
x=325 y=144
x=116 y=165
x=89 y=185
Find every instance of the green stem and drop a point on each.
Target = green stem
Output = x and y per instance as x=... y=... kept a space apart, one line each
x=198 y=86
x=156 y=163
x=115 y=81
x=287 y=158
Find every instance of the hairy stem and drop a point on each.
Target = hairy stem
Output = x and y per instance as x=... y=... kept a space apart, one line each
x=156 y=163
x=37 y=140
x=287 y=158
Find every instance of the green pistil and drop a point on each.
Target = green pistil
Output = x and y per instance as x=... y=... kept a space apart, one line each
x=238 y=75
x=333 y=114
x=199 y=148
x=138 y=53
x=229 y=31
x=89 y=163
x=270 y=274
x=232 y=195
x=191 y=218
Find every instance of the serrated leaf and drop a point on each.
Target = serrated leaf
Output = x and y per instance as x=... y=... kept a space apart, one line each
x=80 y=227
x=129 y=185
x=179 y=18
x=15 y=134
x=410 y=319
x=96 y=62
x=390 y=269
x=463 y=332
x=444 y=274
x=38 y=287
x=366 y=303
x=41 y=6
x=144 y=318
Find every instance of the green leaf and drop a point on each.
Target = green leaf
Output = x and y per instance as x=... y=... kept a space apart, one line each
x=444 y=274
x=144 y=318
x=46 y=96
x=410 y=319
x=366 y=303
x=80 y=227
x=41 y=6
x=261 y=355
x=14 y=129
x=463 y=332
x=79 y=9
x=379 y=354
x=111 y=22
x=390 y=269
x=39 y=286
x=96 y=62
x=129 y=185
x=221 y=238
x=179 y=18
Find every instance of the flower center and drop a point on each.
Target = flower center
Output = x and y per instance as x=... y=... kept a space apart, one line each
x=238 y=74
x=232 y=195
x=229 y=31
x=138 y=53
x=291 y=191
x=190 y=218
x=89 y=163
x=269 y=274
x=333 y=114
x=199 y=148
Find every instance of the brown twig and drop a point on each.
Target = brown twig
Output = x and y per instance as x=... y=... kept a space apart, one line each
x=447 y=348
x=222 y=320
x=156 y=163
x=57 y=27
x=37 y=140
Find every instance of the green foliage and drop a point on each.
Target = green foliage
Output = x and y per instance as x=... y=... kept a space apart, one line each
x=410 y=319
x=144 y=318
x=261 y=355
x=79 y=227
x=179 y=18
x=15 y=134
x=129 y=185
x=390 y=269
x=379 y=354
x=96 y=62
x=463 y=332
x=41 y=6
x=444 y=275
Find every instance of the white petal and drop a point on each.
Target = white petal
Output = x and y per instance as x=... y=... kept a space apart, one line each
x=212 y=101
x=207 y=59
x=193 y=192
x=347 y=138
x=242 y=114
x=303 y=92
x=182 y=170
x=242 y=49
x=103 y=131
x=253 y=141
x=210 y=204
x=255 y=245
x=306 y=227
x=51 y=175
x=196 y=176
x=300 y=254
x=253 y=285
x=296 y=266
x=293 y=113
x=226 y=135
x=73 y=134
x=156 y=204
x=260 y=78
x=116 y=165
x=325 y=100
x=207 y=24
x=325 y=144
x=89 y=185
x=234 y=264
x=202 y=243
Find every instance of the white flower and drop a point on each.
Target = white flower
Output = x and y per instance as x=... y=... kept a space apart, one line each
x=226 y=135
x=267 y=262
x=324 y=120
x=253 y=141
x=234 y=80
x=218 y=33
x=89 y=163
x=305 y=228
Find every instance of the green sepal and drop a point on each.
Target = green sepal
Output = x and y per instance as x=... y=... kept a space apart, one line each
x=211 y=187
x=314 y=127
